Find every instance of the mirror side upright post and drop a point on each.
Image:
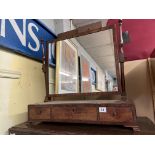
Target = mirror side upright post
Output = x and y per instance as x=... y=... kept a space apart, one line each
x=43 y=55
x=117 y=57
x=122 y=60
x=44 y=65
x=47 y=72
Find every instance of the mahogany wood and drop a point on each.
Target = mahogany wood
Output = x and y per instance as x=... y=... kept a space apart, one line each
x=40 y=112
x=73 y=112
x=122 y=60
x=117 y=112
x=48 y=128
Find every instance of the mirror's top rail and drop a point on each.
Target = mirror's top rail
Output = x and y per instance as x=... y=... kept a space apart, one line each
x=81 y=31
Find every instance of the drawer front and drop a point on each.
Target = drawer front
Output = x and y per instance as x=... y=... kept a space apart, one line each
x=116 y=114
x=68 y=112
x=39 y=113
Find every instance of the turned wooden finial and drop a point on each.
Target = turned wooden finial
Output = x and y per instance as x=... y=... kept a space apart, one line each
x=120 y=21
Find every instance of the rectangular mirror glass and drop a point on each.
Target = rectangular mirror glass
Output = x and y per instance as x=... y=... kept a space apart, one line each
x=86 y=64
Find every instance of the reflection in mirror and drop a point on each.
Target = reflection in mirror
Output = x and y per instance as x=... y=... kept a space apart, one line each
x=66 y=68
x=86 y=64
x=98 y=50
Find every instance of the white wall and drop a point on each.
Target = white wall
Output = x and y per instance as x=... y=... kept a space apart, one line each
x=50 y=23
x=56 y=25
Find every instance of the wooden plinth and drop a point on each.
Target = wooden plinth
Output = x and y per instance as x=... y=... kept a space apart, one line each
x=48 y=128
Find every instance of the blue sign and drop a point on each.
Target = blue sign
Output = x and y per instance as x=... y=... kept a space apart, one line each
x=23 y=36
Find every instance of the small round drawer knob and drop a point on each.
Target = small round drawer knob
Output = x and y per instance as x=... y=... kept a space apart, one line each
x=39 y=112
x=114 y=113
x=74 y=109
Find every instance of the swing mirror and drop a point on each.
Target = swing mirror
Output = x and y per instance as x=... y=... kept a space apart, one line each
x=86 y=62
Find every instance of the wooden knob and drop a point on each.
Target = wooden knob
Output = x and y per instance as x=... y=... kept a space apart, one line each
x=114 y=113
x=39 y=111
x=74 y=110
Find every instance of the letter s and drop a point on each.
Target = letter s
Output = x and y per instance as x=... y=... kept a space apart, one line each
x=30 y=25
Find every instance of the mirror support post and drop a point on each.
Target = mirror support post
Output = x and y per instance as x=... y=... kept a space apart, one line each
x=43 y=55
x=46 y=69
x=121 y=57
x=45 y=65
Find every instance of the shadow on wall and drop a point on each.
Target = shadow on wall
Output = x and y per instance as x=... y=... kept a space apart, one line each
x=138 y=86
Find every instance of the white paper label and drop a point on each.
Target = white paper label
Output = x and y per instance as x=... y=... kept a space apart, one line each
x=102 y=109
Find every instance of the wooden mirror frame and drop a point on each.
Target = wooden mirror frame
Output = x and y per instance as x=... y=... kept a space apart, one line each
x=119 y=61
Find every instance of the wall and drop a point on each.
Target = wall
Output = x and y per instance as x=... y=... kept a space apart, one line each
x=50 y=23
x=23 y=84
x=142 y=38
x=16 y=94
x=138 y=86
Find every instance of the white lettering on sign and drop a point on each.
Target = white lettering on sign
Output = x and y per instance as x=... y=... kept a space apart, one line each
x=33 y=37
x=102 y=109
x=22 y=34
x=2 y=28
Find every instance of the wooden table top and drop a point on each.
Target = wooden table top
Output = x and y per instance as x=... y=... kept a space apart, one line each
x=146 y=126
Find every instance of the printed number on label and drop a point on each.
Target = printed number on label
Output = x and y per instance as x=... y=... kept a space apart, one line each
x=102 y=109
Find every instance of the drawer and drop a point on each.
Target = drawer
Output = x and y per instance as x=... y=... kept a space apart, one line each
x=116 y=114
x=74 y=112
x=39 y=113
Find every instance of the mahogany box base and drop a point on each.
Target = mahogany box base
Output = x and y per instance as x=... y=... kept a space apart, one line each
x=109 y=112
